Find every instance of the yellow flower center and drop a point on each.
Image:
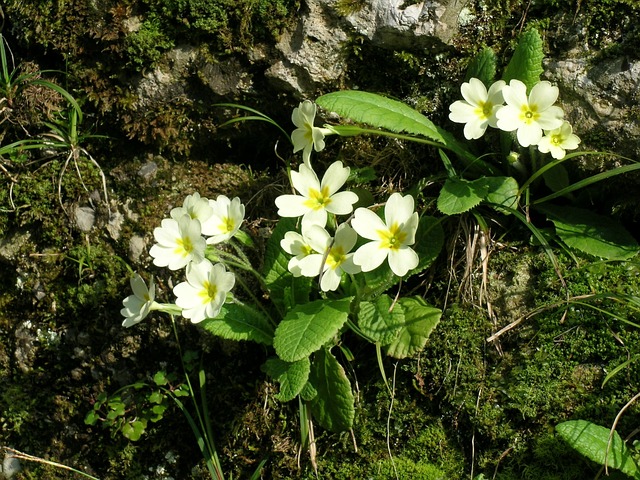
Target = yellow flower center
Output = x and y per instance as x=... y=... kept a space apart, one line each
x=556 y=140
x=184 y=246
x=336 y=257
x=529 y=114
x=227 y=225
x=209 y=291
x=483 y=110
x=317 y=200
x=393 y=238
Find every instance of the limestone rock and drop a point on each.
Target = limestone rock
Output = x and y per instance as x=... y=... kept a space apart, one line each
x=398 y=24
x=312 y=55
x=601 y=95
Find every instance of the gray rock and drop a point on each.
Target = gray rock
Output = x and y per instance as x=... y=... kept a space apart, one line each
x=148 y=171
x=312 y=55
x=85 y=218
x=114 y=226
x=398 y=24
x=10 y=466
x=137 y=247
x=12 y=244
x=601 y=95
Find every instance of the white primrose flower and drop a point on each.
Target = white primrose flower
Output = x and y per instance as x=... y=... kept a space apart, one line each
x=391 y=238
x=479 y=108
x=529 y=115
x=195 y=206
x=179 y=242
x=558 y=141
x=298 y=245
x=138 y=305
x=225 y=221
x=317 y=198
x=205 y=290
x=307 y=137
x=335 y=254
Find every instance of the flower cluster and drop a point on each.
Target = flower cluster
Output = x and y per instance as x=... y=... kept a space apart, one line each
x=183 y=241
x=534 y=117
x=317 y=253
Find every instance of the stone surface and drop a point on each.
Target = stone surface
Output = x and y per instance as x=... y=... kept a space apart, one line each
x=398 y=24
x=313 y=53
x=601 y=95
x=12 y=244
x=85 y=218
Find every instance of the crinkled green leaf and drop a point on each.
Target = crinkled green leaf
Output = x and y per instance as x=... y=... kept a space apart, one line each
x=308 y=392
x=238 y=322
x=591 y=440
x=307 y=327
x=591 y=233
x=284 y=289
x=420 y=319
x=483 y=66
x=379 y=111
x=526 y=62
x=333 y=406
x=459 y=195
x=379 y=321
x=292 y=376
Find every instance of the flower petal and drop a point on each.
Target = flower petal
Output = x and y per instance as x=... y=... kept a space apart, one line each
x=335 y=177
x=367 y=224
x=402 y=260
x=370 y=256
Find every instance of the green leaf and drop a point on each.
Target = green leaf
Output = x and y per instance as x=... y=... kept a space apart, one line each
x=308 y=392
x=239 y=322
x=459 y=195
x=556 y=178
x=419 y=321
x=91 y=418
x=156 y=397
x=160 y=378
x=292 y=376
x=429 y=242
x=285 y=291
x=134 y=430
x=483 y=66
x=377 y=321
x=158 y=411
x=334 y=406
x=526 y=62
x=591 y=233
x=308 y=327
x=591 y=440
x=502 y=191
x=379 y=111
